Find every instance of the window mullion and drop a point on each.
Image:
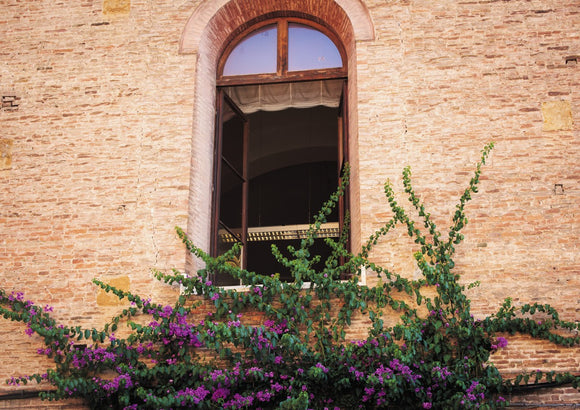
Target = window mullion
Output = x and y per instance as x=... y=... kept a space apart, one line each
x=245 y=193
x=282 y=47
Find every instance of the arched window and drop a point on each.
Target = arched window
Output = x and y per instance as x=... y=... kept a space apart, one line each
x=281 y=140
x=282 y=50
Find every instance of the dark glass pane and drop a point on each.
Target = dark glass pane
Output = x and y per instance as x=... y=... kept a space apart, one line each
x=233 y=138
x=292 y=195
x=255 y=54
x=309 y=49
x=231 y=199
x=226 y=240
x=279 y=197
x=261 y=260
x=224 y=279
x=323 y=182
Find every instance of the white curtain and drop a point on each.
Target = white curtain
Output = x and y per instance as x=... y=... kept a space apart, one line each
x=276 y=97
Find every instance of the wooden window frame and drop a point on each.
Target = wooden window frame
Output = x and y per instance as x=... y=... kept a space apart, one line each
x=222 y=100
x=282 y=74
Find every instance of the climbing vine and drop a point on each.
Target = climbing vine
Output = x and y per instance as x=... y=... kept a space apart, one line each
x=203 y=351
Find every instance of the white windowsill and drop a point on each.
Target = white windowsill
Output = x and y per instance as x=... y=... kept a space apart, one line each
x=305 y=285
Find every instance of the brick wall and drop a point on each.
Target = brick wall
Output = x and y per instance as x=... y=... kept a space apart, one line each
x=97 y=129
x=100 y=146
x=439 y=81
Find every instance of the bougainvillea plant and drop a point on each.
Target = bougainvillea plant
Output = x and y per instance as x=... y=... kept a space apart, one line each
x=202 y=352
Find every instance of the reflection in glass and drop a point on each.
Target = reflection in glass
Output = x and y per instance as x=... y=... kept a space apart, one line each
x=255 y=54
x=309 y=49
x=231 y=198
x=233 y=139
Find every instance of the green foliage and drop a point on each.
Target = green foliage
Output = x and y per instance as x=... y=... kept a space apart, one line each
x=299 y=356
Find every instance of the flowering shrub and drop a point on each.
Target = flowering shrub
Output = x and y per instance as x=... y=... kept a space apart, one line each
x=299 y=357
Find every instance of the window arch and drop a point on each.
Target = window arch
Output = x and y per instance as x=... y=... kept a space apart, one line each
x=210 y=28
x=280 y=142
x=282 y=49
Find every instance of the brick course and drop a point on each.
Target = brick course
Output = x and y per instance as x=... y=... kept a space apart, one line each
x=100 y=156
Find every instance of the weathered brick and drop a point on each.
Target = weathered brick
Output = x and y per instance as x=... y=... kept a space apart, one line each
x=98 y=110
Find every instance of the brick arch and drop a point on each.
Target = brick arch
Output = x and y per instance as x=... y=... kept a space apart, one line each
x=207 y=32
x=356 y=11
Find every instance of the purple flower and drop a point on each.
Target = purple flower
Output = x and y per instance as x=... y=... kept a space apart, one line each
x=19 y=296
x=369 y=391
x=197 y=394
x=234 y=323
x=239 y=402
x=216 y=374
x=220 y=393
x=277 y=387
x=357 y=374
x=321 y=366
x=46 y=351
x=167 y=311
x=501 y=342
x=264 y=396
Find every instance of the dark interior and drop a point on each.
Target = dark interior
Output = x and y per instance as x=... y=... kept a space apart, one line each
x=293 y=170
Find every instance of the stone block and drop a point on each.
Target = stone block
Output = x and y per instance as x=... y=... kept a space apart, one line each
x=557 y=116
x=109 y=299
x=5 y=153
x=116 y=6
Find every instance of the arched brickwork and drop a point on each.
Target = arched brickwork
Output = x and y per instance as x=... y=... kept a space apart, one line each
x=212 y=25
x=356 y=11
